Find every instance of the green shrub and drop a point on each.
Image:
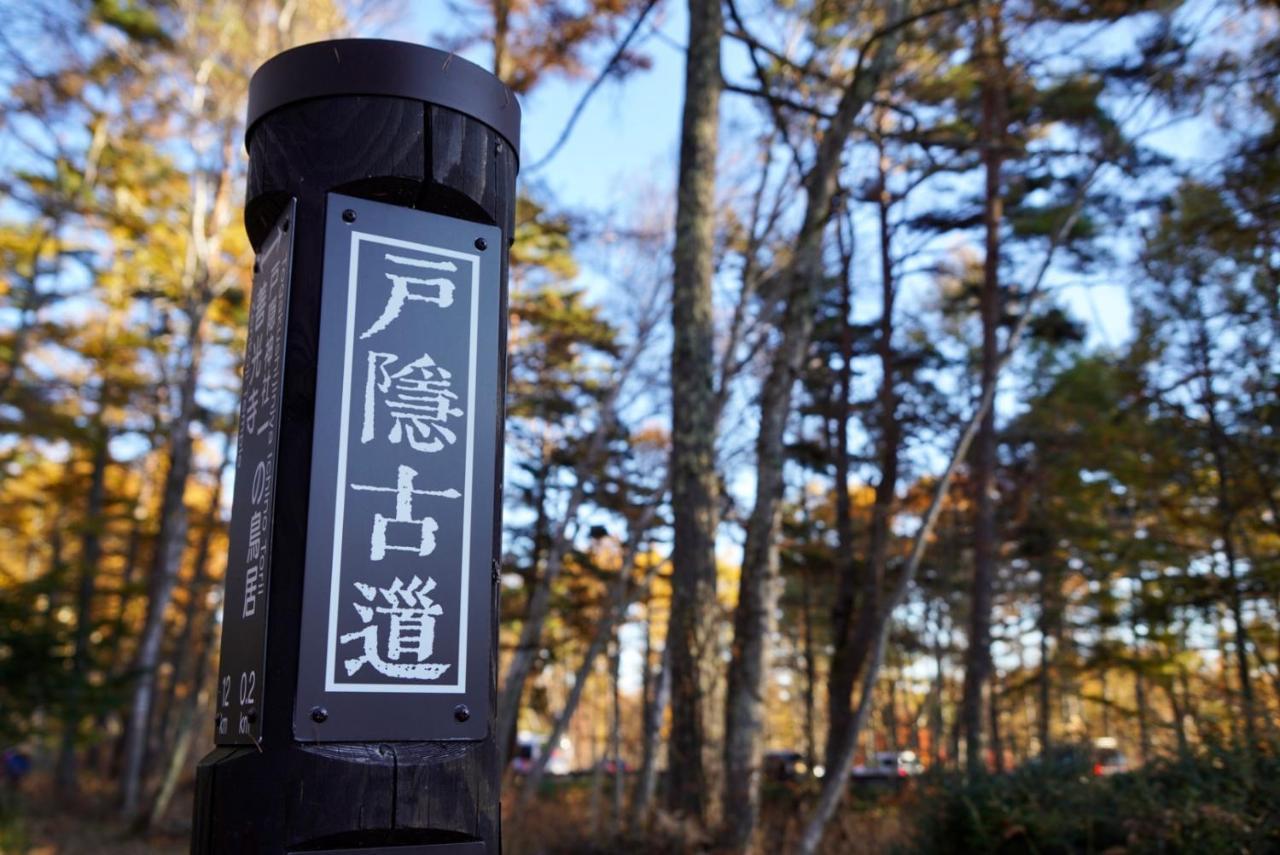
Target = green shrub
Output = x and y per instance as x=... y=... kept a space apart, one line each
x=13 y=826
x=1217 y=801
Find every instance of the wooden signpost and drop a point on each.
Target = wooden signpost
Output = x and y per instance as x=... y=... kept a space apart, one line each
x=355 y=698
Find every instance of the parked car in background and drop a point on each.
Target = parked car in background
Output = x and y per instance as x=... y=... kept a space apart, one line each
x=529 y=748
x=1107 y=758
x=527 y=752
x=1098 y=758
x=784 y=766
x=611 y=765
x=890 y=764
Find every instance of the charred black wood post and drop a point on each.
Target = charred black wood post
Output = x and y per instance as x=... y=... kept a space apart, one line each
x=381 y=189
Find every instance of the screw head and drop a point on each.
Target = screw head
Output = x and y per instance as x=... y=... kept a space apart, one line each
x=462 y=712
x=482 y=244
x=348 y=216
x=251 y=715
x=319 y=715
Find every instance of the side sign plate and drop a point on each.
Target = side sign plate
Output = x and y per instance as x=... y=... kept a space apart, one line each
x=396 y=620
x=244 y=627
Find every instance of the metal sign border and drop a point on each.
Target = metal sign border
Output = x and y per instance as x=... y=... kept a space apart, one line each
x=324 y=712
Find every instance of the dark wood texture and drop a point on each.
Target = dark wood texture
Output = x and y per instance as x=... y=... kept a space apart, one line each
x=286 y=796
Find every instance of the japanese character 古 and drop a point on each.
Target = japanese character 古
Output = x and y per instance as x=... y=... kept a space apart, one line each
x=436 y=290
x=419 y=399
x=411 y=627
x=423 y=530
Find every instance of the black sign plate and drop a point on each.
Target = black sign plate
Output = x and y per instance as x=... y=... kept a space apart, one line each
x=244 y=623
x=396 y=599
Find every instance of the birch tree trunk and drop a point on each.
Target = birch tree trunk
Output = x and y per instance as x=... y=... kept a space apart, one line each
x=656 y=705
x=188 y=719
x=803 y=280
x=190 y=650
x=170 y=545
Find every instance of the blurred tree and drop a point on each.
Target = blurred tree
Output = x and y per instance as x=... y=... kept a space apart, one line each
x=562 y=410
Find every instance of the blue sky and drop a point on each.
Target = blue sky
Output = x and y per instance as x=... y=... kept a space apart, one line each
x=627 y=132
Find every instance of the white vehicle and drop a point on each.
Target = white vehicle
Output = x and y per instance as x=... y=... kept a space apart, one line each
x=530 y=748
x=891 y=764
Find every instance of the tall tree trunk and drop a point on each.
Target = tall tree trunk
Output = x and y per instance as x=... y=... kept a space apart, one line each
x=840 y=681
x=1226 y=518
x=110 y=756
x=501 y=29
x=1224 y=670
x=997 y=740
x=810 y=671
x=600 y=749
x=834 y=782
x=184 y=654
x=189 y=717
x=804 y=280
x=90 y=555
x=558 y=543
x=939 y=692
x=167 y=561
x=1025 y=704
x=1044 y=681
x=188 y=653
x=1190 y=708
x=1179 y=716
x=1105 y=701
x=691 y=635
x=754 y=619
x=615 y=736
x=655 y=709
x=132 y=559
x=613 y=610
x=1144 y=716
x=892 y=721
x=539 y=606
x=978 y=657
x=647 y=691
x=853 y=643
x=541 y=539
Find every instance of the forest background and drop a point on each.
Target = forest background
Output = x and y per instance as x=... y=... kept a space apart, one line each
x=884 y=376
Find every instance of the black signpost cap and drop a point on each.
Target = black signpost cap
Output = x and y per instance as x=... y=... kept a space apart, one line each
x=381 y=67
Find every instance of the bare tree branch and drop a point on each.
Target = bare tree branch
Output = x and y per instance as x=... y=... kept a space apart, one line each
x=618 y=53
